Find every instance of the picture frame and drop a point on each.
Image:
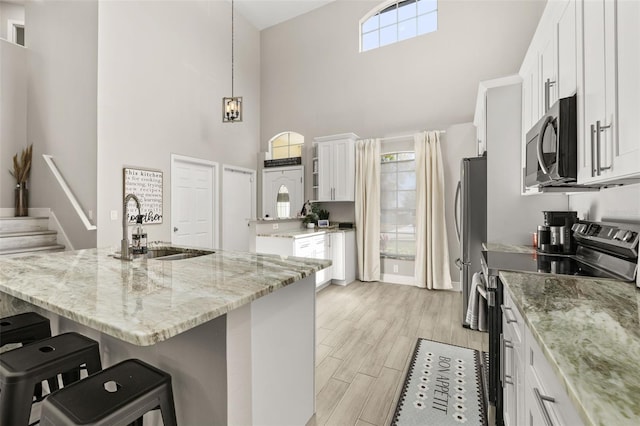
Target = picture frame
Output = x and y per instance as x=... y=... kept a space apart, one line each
x=147 y=185
x=323 y=223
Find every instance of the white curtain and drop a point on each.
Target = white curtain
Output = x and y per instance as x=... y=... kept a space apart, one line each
x=367 y=208
x=432 y=252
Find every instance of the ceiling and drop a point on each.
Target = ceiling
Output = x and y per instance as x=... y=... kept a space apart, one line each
x=266 y=13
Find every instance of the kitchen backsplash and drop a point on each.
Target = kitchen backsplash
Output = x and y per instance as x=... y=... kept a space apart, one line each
x=618 y=203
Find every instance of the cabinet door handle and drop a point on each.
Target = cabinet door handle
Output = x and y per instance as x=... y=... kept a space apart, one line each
x=593 y=154
x=508 y=380
x=504 y=312
x=541 y=399
x=547 y=93
x=502 y=351
x=600 y=129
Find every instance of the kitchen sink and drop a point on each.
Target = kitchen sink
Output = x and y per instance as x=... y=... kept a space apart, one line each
x=175 y=253
x=169 y=253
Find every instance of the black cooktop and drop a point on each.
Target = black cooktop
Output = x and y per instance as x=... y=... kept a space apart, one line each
x=544 y=263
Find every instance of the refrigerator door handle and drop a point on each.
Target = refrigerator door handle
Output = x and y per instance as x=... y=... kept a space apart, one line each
x=457 y=209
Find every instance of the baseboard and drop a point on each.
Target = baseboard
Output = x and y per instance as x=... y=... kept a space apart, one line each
x=397 y=279
x=456 y=286
x=54 y=225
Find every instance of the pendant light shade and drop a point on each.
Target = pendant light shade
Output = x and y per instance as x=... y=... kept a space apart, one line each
x=232 y=106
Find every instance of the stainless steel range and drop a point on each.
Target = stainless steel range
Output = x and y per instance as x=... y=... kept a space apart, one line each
x=604 y=250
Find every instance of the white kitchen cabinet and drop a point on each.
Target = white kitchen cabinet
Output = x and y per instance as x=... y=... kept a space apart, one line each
x=343 y=256
x=566 y=51
x=273 y=179
x=528 y=381
x=313 y=245
x=512 y=369
x=334 y=163
x=608 y=147
x=546 y=401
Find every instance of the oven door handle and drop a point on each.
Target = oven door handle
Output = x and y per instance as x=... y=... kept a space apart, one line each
x=548 y=119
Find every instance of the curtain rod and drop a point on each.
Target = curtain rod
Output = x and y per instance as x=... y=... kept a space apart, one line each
x=406 y=136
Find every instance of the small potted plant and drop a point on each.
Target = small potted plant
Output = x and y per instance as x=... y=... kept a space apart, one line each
x=20 y=172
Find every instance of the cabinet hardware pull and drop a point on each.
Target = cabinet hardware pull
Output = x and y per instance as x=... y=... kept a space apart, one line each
x=541 y=399
x=547 y=93
x=502 y=358
x=508 y=380
x=593 y=155
x=504 y=312
x=600 y=129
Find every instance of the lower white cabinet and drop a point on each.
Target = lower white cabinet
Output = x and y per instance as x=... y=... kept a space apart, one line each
x=338 y=246
x=532 y=394
x=343 y=256
x=314 y=246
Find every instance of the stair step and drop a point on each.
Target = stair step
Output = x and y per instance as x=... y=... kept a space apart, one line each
x=24 y=239
x=15 y=252
x=26 y=223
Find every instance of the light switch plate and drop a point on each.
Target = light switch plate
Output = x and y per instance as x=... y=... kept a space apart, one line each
x=114 y=214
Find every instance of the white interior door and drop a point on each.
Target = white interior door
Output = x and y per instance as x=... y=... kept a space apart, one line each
x=272 y=179
x=238 y=206
x=194 y=202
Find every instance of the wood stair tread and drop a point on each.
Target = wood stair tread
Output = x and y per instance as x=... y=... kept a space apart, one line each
x=26 y=233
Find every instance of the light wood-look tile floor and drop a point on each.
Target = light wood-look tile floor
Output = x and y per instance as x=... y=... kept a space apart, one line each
x=365 y=334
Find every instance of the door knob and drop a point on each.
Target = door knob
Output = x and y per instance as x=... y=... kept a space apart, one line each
x=175 y=229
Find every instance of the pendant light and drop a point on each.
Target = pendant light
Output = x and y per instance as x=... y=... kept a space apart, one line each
x=232 y=107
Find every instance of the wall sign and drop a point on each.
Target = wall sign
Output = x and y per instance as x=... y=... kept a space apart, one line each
x=147 y=186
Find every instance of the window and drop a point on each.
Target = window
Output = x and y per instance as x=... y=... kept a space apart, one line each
x=286 y=145
x=395 y=21
x=398 y=205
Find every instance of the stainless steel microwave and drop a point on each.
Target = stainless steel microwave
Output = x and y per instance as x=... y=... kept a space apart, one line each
x=551 y=149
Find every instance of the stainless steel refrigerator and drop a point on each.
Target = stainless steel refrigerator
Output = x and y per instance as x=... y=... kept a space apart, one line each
x=471 y=221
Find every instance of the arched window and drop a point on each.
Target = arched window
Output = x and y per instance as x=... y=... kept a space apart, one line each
x=286 y=145
x=395 y=20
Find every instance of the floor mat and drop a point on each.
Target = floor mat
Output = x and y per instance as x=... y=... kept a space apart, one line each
x=444 y=386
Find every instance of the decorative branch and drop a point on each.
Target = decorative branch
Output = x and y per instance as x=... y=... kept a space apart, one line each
x=21 y=169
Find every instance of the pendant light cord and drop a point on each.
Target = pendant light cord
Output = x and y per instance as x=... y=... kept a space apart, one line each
x=232 y=56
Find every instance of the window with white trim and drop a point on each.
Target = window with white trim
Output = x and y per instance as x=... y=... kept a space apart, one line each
x=398 y=205
x=395 y=21
x=286 y=145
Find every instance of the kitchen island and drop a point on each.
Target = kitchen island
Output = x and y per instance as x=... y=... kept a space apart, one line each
x=235 y=330
x=588 y=329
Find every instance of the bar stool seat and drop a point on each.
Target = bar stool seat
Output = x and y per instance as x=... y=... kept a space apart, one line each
x=118 y=395
x=24 y=328
x=22 y=368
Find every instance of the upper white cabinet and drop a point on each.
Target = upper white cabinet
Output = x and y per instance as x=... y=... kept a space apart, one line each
x=608 y=144
x=282 y=191
x=592 y=48
x=549 y=68
x=334 y=164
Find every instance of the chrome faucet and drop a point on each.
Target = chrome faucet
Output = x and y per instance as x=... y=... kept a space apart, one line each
x=124 y=244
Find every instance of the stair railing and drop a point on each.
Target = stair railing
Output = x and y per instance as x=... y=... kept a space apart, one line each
x=72 y=198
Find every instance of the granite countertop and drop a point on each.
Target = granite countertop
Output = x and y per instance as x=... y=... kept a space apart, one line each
x=301 y=233
x=589 y=331
x=146 y=301
x=508 y=248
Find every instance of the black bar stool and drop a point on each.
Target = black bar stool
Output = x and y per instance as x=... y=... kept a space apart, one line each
x=26 y=328
x=22 y=368
x=117 y=395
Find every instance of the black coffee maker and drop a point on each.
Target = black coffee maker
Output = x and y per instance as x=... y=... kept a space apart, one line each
x=555 y=236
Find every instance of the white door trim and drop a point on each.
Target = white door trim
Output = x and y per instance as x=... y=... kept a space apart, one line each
x=254 y=186
x=254 y=192
x=216 y=201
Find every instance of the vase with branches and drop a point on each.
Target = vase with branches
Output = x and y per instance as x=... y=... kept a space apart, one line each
x=21 y=170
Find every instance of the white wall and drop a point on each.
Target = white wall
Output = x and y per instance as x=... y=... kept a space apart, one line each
x=62 y=45
x=163 y=69
x=13 y=114
x=612 y=204
x=8 y=11
x=315 y=82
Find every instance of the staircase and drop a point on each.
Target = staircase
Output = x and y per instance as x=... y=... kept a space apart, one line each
x=27 y=235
